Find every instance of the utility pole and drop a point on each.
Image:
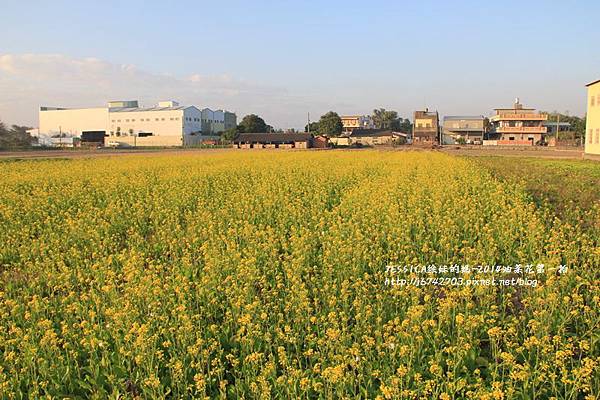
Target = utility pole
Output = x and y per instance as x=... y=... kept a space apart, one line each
x=557 y=126
x=482 y=129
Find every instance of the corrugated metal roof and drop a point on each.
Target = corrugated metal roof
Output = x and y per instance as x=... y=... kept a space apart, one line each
x=141 y=109
x=553 y=123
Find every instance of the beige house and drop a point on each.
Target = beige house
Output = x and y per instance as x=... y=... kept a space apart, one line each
x=471 y=129
x=426 y=127
x=518 y=126
x=352 y=122
x=375 y=137
x=592 y=136
x=370 y=137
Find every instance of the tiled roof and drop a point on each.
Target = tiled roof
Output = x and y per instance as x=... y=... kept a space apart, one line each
x=272 y=137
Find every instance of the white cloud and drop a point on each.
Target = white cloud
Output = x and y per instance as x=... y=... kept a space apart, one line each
x=30 y=80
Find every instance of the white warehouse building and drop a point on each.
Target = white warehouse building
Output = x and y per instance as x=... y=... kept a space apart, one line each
x=125 y=123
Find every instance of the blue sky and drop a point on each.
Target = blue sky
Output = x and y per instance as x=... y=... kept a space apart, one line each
x=282 y=59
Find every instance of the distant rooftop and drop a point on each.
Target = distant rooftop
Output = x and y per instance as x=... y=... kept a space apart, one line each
x=593 y=83
x=512 y=108
x=123 y=103
x=462 y=117
x=140 y=109
x=133 y=106
x=516 y=106
x=426 y=113
x=272 y=137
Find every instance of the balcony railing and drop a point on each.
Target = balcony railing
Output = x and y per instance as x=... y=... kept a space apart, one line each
x=522 y=129
x=520 y=117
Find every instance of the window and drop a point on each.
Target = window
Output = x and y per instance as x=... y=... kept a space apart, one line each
x=590 y=134
x=133 y=120
x=163 y=119
x=176 y=118
x=113 y=120
x=597 y=135
x=126 y=120
x=171 y=118
x=118 y=120
x=593 y=101
x=157 y=119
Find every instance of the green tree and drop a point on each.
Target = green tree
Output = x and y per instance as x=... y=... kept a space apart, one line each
x=330 y=124
x=252 y=123
x=577 y=123
x=402 y=125
x=314 y=127
x=14 y=137
x=387 y=119
x=384 y=119
x=229 y=134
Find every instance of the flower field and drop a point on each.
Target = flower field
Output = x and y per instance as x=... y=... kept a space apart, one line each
x=263 y=275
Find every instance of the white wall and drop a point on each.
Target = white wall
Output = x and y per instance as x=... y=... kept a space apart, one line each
x=219 y=121
x=159 y=123
x=74 y=121
x=192 y=118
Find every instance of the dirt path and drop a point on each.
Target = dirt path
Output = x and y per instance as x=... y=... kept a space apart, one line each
x=542 y=152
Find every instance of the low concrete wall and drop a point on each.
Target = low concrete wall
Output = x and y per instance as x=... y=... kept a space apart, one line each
x=340 y=141
x=515 y=143
x=156 y=141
